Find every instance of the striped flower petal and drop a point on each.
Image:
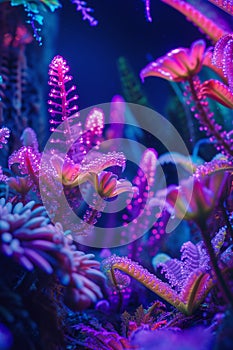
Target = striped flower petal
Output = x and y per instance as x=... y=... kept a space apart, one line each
x=218 y=92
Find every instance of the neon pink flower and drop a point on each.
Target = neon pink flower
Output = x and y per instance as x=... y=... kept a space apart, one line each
x=107 y=185
x=71 y=174
x=197 y=204
x=177 y=65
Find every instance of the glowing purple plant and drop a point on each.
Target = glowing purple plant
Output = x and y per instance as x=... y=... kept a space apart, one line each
x=25 y=162
x=3 y=177
x=61 y=103
x=194 y=288
x=197 y=338
x=28 y=161
x=107 y=185
x=183 y=65
x=205 y=24
x=72 y=175
x=63 y=109
x=4 y=135
x=226 y=5
x=27 y=237
x=148 y=15
x=189 y=279
x=138 y=213
x=179 y=64
x=29 y=139
x=222 y=57
x=198 y=205
x=87 y=137
x=222 y=60
x=85 y=11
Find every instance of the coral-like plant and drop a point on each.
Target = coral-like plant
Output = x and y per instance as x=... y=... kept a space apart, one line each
x=194 y=289
x=103 y=339
x=28 y=238
x=189 y=279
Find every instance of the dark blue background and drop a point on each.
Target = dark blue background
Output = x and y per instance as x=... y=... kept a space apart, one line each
x=123 y=30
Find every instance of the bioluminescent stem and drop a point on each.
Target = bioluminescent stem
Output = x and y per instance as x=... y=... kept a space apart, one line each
x=205 y=118
x=195 y=289
x=226 y=293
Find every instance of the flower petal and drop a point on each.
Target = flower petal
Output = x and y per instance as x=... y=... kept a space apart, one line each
x=155 y=70
x=196 y=55
x=218 y=92
x=208 y=62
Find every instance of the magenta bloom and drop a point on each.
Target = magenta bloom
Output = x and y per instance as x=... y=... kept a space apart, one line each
x=107 y=185
x=195 y=198
x=177 y=65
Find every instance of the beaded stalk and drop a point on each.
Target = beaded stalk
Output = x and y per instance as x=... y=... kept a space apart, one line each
x=85 y=11
x=90 y=218
x=62 y=100
x=148 y=15
x=207 y=193
x=206 y=25
x=196 y=286
x=205 y=117
x=139 y=213
x=226 y=5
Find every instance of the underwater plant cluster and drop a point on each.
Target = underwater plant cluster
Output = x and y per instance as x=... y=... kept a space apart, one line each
x=116 y=223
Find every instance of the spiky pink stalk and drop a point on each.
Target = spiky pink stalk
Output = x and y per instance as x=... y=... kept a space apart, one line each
x=138 y=210
x=226 y=5
x=62 y=99
x=206 y=25
x=148 y=15
x=195 y=289
x=205 y=117
x=85 y=11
